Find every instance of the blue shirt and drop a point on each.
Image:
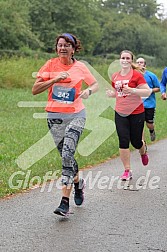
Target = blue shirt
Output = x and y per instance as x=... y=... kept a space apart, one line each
x=153 y=82
x=163 y=81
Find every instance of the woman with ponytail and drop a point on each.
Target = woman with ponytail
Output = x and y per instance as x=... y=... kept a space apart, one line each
x=129 y=86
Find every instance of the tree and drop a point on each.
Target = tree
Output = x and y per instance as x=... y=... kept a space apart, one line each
x=132 y=32
x=121 y=32
x=15 y=30
x=50 y=18
x=145 y=8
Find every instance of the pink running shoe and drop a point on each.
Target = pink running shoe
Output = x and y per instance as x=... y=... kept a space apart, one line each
x=127 y=175
x=144 y=159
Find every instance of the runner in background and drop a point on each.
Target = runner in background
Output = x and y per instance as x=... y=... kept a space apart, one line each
x=63 y=77
x=129 y=86
x=150 y=102
x=163 y=84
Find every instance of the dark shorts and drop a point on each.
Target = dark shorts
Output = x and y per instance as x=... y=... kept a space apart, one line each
x=149 y=115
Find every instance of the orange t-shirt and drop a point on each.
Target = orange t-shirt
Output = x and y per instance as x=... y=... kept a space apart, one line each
x=63 y=97
x=128 y=104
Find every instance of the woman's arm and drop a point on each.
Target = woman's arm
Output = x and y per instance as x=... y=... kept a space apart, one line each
x=155 y=90
x=40 y=85
x=141 y=90
x=90 y=90
x=163 y=84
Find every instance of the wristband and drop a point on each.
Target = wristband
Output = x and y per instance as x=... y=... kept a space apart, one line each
x=133 y=90
x=90 y=91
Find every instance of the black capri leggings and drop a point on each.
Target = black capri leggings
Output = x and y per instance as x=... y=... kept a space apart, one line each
x=129 y=129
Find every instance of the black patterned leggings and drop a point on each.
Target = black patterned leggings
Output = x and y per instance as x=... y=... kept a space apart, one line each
x=66 y=134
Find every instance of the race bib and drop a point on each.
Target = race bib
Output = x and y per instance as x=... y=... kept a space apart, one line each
x=63 y=94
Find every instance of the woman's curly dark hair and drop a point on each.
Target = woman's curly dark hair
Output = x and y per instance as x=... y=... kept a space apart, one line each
x=70 y=38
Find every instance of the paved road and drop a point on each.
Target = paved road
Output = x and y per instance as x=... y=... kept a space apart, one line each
x=115 y=217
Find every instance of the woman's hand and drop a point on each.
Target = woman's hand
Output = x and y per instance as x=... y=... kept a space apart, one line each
x=163 y=96
x=61 y=76
x=84 y=94
x=127 y=90
x=110 y=93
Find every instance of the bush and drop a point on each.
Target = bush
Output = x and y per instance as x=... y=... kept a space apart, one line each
x=25 y=52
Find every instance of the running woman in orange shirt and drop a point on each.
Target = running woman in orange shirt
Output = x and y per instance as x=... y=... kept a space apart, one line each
x=63 y=77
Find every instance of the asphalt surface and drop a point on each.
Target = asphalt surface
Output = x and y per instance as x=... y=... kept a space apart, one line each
x=115 y=216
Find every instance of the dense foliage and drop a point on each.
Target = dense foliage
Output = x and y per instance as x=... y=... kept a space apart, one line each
x=104 y=26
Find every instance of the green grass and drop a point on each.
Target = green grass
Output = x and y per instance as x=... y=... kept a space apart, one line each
x=19 y=130
x=17 y=72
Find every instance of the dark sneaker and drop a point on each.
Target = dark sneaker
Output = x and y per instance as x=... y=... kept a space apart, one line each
x=152 y=136
x=63 y=209
x=79 y=193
